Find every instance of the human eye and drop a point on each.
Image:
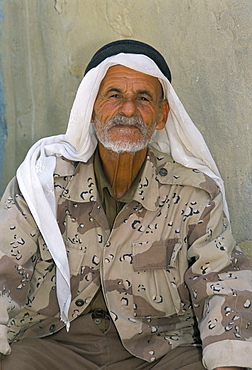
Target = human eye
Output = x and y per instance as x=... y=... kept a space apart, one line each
x=115 y=96
x=144 y=97
x=143 y=100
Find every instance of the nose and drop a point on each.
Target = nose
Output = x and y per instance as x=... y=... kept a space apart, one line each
x=128 y=107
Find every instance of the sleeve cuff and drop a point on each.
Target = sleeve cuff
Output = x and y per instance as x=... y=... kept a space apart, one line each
x=228 y=353
x=4 y=345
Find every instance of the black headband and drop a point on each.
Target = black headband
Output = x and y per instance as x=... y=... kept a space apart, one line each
x=129 y=47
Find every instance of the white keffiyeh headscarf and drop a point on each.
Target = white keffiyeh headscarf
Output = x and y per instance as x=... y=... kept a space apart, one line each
x=180 y=138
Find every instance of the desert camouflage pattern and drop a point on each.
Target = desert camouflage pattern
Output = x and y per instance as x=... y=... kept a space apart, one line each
x=169 y=263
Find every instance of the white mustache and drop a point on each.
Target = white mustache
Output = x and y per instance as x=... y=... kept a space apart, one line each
x=134 y=121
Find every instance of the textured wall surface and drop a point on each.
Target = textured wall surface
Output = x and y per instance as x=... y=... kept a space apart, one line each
x=47 y=44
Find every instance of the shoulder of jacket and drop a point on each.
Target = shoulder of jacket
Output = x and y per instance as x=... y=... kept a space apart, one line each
x=170 y=172
x=64 y=167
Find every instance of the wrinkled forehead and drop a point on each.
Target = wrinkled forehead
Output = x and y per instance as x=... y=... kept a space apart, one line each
x=120 y=76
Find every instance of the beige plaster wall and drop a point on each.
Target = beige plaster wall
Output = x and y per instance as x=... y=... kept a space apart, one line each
x=47 y=44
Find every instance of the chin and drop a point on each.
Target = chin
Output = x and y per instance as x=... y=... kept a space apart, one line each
x=125 y=147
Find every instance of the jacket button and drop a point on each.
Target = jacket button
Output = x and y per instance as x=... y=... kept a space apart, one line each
x=97 y=321
x=52 y=328
x=163 y=172
x=79 y=302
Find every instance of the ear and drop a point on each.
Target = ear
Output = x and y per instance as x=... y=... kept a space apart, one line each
x=162 y=119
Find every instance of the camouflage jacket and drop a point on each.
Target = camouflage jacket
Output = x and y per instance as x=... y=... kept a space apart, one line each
x=168 y=263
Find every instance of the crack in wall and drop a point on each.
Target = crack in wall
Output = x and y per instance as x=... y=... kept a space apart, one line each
x=117 y=14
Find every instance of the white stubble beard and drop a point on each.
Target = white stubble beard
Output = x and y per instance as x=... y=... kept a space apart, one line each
x=121 y=146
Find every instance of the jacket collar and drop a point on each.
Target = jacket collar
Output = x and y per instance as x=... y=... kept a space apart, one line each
x=159 y=169
x=82 y=185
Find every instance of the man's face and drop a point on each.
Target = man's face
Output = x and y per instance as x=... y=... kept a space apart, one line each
x=127 y=109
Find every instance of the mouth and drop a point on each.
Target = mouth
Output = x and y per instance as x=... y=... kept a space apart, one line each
x=125 y=125
x=125 y=128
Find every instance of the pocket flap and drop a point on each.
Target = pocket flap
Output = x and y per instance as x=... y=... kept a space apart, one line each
x=44 y=252
x=156 y=255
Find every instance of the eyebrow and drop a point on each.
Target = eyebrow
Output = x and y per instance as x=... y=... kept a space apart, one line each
x=138 y=92
x=145 y=92
x=113 y=89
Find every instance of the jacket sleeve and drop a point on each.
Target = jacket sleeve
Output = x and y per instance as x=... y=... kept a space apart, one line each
x=220 y=282
x=18 y=235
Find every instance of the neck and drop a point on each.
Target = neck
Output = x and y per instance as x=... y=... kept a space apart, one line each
x=121 y=169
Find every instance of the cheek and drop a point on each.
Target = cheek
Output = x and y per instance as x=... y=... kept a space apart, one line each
x=104 y=111
x=149 y=115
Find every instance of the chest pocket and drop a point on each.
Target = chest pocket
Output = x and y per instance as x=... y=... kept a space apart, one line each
x=154 y=283
x=75 y=255
x=46 y=264
x=43 y=277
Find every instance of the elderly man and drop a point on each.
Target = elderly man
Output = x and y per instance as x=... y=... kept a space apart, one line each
x=118 y=231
